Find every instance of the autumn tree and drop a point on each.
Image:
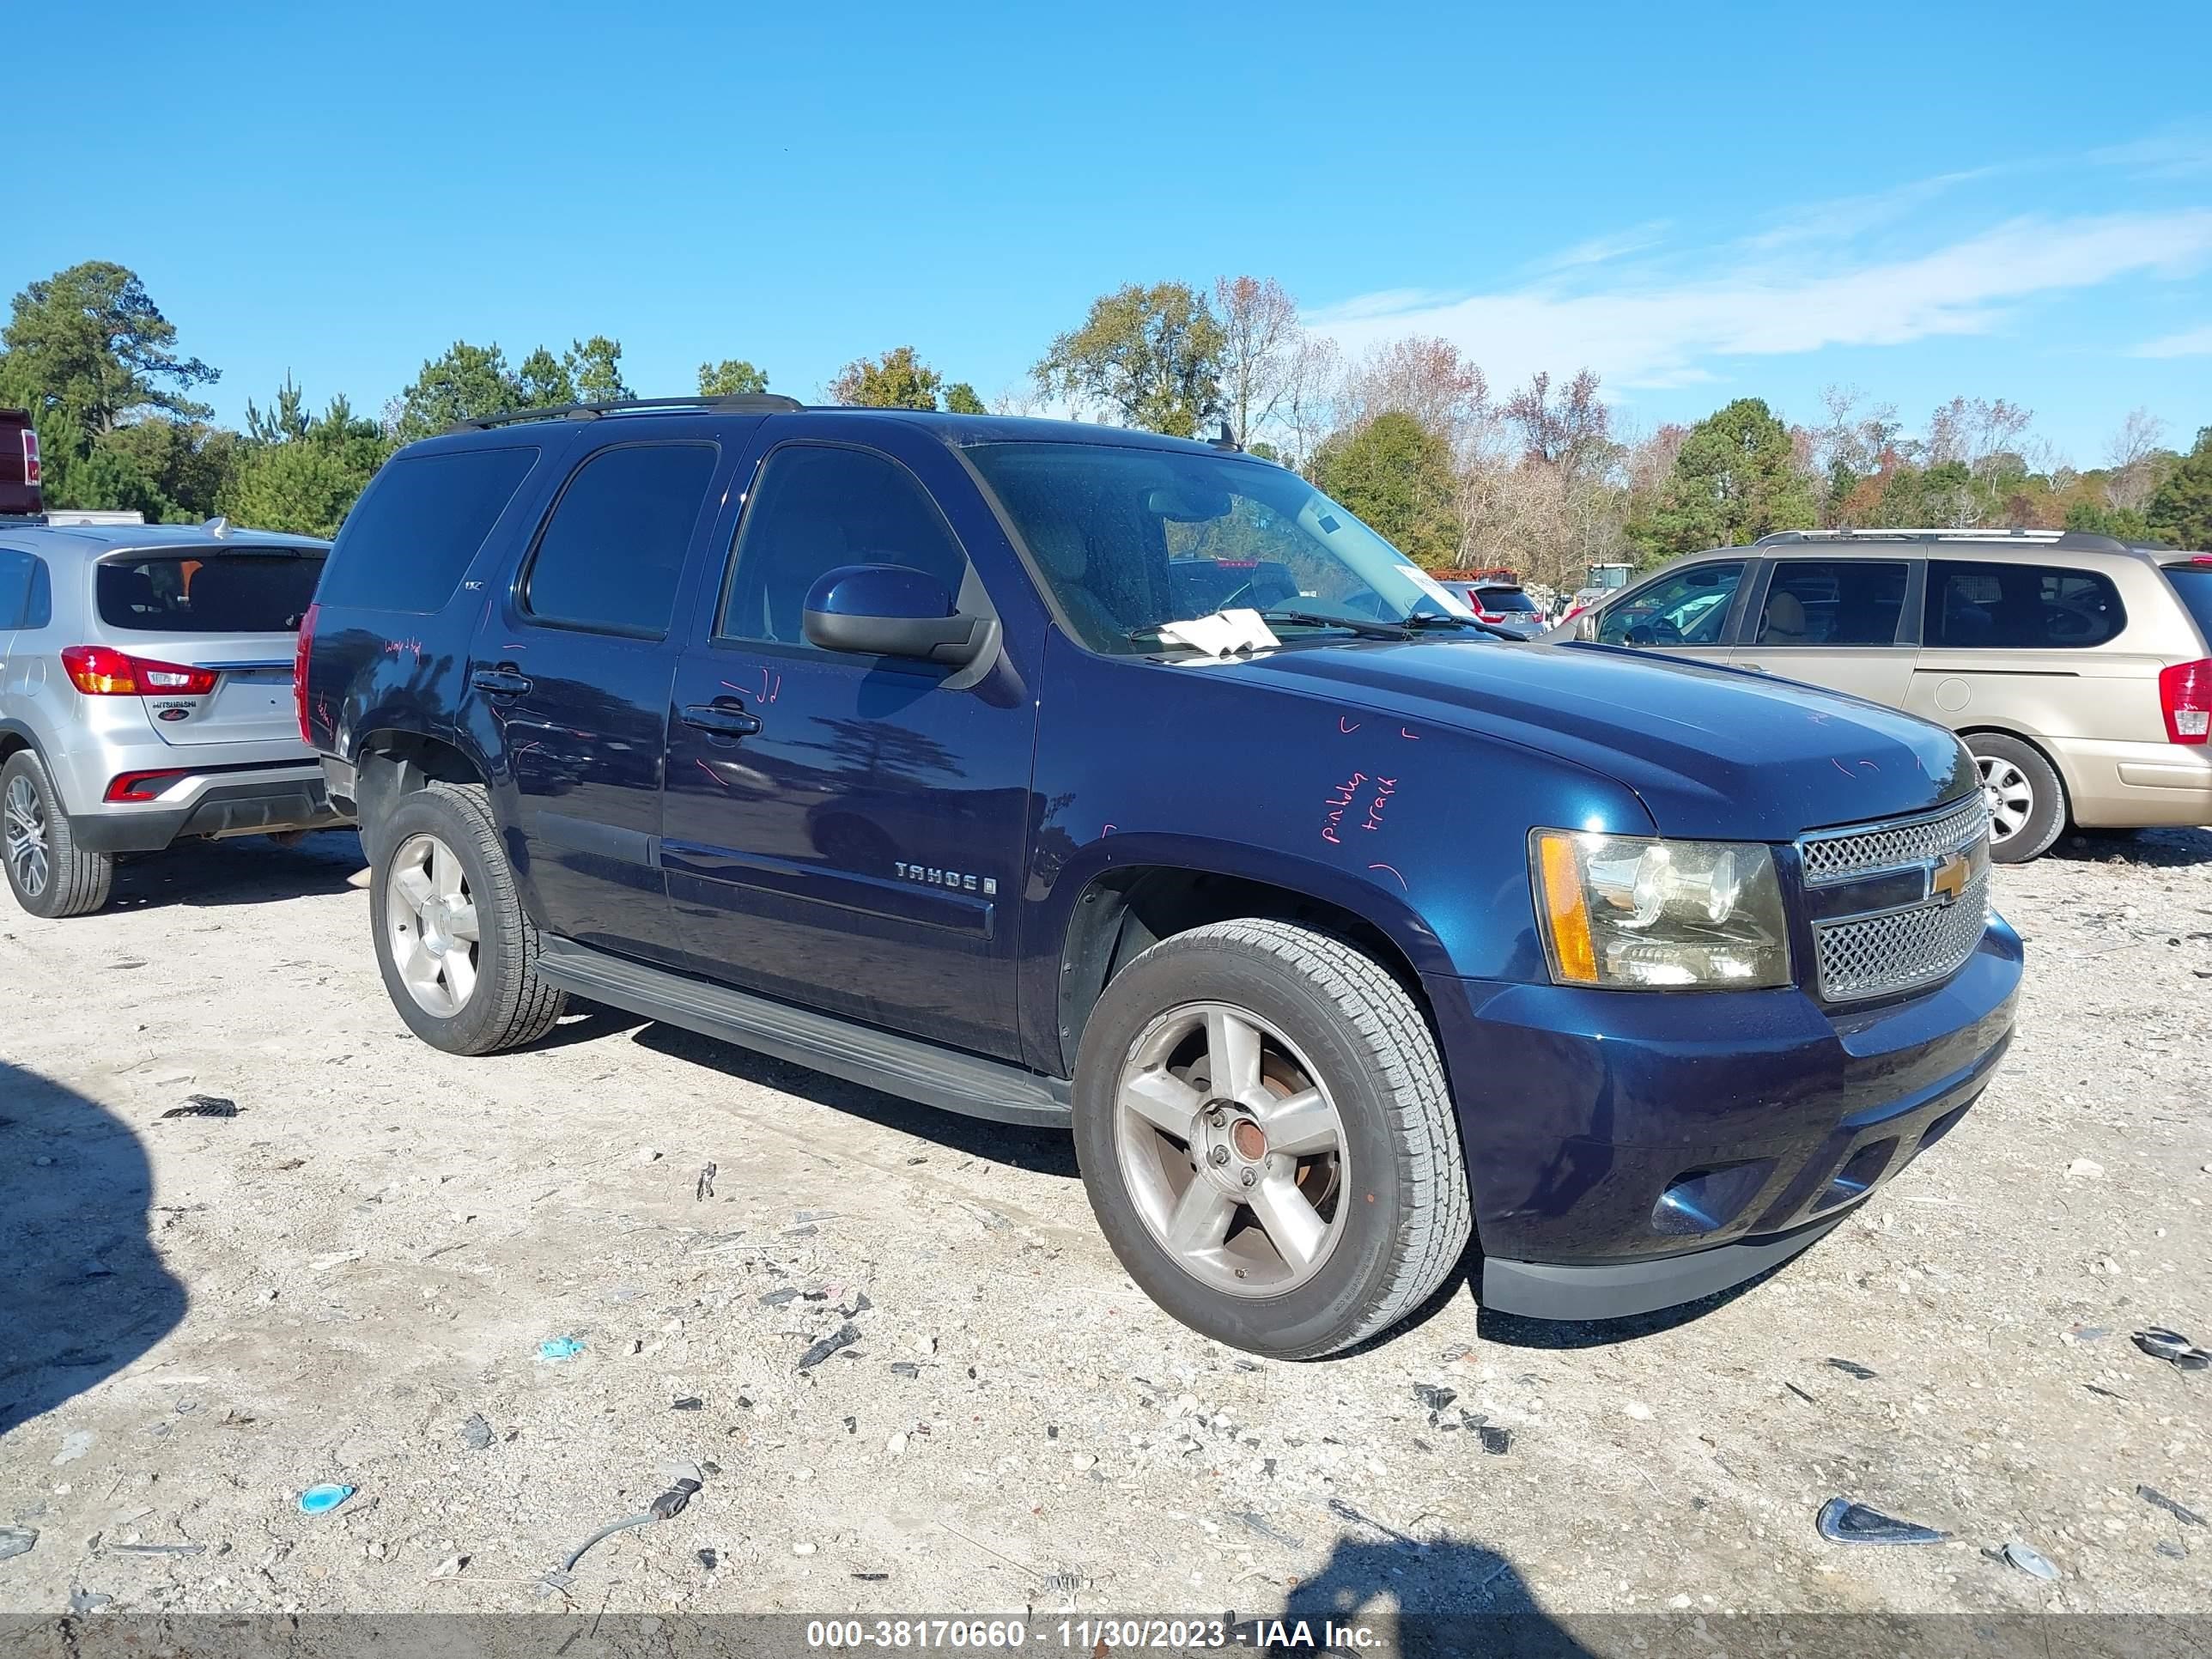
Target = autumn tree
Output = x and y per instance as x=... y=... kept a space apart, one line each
x=1152 y=355
x=898 y=379
x=1573 y=431
x=2180 y=513
x=730 y=378
x=1736 y=479
x=1396 y=476
x=1425 y=378
x=1259 y=334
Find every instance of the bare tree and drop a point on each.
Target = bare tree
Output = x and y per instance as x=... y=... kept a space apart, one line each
x=1313 y=386
x=2131 y=455
x=1259 y=334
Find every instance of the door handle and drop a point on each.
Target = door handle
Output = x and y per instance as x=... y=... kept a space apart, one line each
x=725 y=717
x=1752 y=667
x=502 y=682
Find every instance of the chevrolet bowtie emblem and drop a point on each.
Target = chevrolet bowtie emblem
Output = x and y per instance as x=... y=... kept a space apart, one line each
x=1949 y=878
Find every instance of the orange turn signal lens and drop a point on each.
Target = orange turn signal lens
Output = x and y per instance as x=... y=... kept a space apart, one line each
x=1565 y=910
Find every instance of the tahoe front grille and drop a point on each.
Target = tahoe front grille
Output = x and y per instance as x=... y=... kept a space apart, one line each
x=1836 y=855
x=1925 y=887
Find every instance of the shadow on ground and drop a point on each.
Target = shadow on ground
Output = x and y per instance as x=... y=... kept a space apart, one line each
x=83 y=1293
x=1419 y=1598
x=243 y=869
x=1038 y=1152
x=2165 y=849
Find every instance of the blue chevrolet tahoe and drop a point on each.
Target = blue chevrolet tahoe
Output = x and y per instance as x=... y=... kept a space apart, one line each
x=1344 y=935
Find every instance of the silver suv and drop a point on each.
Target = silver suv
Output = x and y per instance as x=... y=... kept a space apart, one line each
x=146 y=695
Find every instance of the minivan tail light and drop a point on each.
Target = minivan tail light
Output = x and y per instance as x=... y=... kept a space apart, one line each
x=301 y=652
x=31 y=457
x=100 y=671
x=2184 y=692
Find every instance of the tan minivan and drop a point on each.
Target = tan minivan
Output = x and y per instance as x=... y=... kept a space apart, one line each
x=2078 y=668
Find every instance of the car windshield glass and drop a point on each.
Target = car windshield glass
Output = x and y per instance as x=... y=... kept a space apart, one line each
x=1130 y=540
x=208 y=592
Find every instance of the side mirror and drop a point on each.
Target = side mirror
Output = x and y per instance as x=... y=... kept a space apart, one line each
x=892 y=611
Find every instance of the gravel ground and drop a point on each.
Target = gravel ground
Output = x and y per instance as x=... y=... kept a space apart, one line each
x=349 y=1282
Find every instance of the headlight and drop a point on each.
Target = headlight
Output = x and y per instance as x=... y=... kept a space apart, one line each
x=1630 y=913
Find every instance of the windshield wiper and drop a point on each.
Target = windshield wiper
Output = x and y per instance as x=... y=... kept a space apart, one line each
x=1359 y=625
x=1445 y=619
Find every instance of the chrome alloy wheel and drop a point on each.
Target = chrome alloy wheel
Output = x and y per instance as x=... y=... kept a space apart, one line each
x=1231 y=1149
x=2010 y=795
x=432 y=917
x=25 y=817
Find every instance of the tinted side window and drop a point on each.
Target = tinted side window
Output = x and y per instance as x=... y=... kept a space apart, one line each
x=2019 y=607
x=611 y=553
x=406 y=544
x=816 y=507
x=1833 y=602
x=1690 y=607
x=39 y=608
x=14 y=588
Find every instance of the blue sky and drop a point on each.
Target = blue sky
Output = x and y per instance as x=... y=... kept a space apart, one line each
x=1700 y=204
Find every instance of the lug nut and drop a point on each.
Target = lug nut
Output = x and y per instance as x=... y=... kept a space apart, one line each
x=1219 y=1154
x=1251 y=1178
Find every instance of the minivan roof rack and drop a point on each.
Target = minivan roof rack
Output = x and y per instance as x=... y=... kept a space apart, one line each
x=1847 y=533
x=2072 y=541
x=22 y=518
x=746 y=402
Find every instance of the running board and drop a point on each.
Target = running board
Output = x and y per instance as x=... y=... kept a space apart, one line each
x=904 y=1065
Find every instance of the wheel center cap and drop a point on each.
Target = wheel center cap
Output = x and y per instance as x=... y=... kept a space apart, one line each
x=1249 y=1139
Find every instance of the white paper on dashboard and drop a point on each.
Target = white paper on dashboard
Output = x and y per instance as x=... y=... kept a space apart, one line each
x=1223 y=634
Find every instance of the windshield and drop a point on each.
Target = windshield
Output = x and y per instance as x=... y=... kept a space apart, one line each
x=1130 y=540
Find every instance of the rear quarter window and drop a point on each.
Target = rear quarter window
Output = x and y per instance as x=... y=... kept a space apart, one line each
x=407 y=543
x=1984 y=605
x=2193 y=585
x=202 y=592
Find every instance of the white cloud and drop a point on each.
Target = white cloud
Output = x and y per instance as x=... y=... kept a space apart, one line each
x=2194 y=342
x=1649 y=329
x=1601 y=250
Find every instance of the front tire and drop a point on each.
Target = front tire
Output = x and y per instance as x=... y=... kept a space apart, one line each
x=1266 y=1137
x=458 y=952
x=49 y=873
x=2026 y=800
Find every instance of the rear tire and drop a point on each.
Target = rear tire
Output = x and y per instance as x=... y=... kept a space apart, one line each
x=1314 y=1197
x=458 y=952
x=2026 y=800
x=49 y=873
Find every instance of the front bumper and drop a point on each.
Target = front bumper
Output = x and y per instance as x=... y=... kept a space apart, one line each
x=248 y=801
x=1630 y=1150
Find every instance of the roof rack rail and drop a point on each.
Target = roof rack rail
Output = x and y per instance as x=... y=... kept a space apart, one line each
x=742 y=402
x=1931 y=533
